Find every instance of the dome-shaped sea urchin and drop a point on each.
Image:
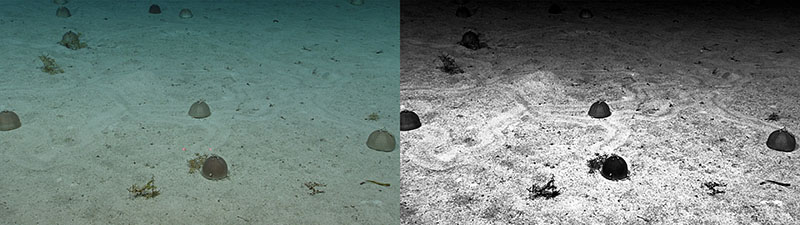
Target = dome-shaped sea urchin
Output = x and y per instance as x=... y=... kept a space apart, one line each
x=614 y=168
x=409 y=120
x=599 y=109
x=781 y=140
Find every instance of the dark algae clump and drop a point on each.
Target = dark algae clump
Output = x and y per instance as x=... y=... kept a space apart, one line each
x=50 y=65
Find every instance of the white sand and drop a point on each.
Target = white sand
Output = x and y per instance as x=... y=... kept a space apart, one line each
x=288 y=100
x=518 y=115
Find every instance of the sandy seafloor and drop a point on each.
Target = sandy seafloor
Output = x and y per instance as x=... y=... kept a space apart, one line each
x=690 y=87
x=289 y=84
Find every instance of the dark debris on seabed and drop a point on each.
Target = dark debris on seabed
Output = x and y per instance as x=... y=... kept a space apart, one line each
x=546 y=191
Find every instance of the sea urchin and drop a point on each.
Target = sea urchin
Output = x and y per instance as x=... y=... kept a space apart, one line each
x=782 y=140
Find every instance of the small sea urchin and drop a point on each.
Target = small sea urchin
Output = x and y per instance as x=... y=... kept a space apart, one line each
x=9 y=121
x=381 y=140
x=471 y=40
x=599 y=109
x=409 y=120
x=781 y=140
x=463 y=12
x=614 y=168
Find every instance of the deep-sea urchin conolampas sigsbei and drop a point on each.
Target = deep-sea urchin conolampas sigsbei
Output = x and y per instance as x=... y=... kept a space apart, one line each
x=9 y=121
x=199 y=110
x=356 y=2
x=782 y=140
x=72 y=41
x=472 y=41
x=614 y=168
x=409 y=120
x=585 y=14
x=185 y=14
x=555 y=9
x=599 y=110
x=215 y=168
x=381 y=140
x=154 y=9
x=463 y=12
x=63 y=12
